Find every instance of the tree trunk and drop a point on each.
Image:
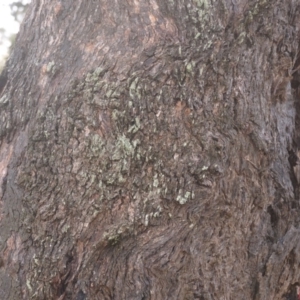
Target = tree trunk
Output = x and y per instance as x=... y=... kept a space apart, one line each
x=149 y=151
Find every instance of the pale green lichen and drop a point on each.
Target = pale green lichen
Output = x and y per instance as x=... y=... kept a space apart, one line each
x=158 y=212
x=112 y=238
x=108 y=93
x=155 y=181
x=51 y=68
x=182 y=199
x=116 y=233
x=133 y=88
x=124 y=144
x=146 y=222
x=65 y=228
x=28 y=284
x=241 y=38
x=203 y=4
x=99 y=71
x=154 y=214
x=136 y=126
x=97 y=144
x=189 y=67
x=92 y=77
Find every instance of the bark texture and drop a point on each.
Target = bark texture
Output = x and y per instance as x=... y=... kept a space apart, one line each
x=149 y=151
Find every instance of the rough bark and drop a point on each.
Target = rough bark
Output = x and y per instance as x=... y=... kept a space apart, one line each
x=149 y=151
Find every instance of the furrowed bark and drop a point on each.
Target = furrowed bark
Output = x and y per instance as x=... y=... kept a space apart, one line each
x=149 y=151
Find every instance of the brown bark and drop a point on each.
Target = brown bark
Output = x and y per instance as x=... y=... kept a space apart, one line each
x=149 y=151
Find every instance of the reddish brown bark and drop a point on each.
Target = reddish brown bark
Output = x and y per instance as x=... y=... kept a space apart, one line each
x=148 y=151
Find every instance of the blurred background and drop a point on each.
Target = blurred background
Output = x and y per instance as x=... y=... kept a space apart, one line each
x=11 y=14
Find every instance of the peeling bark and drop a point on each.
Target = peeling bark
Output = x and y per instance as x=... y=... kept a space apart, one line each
x=149 y=151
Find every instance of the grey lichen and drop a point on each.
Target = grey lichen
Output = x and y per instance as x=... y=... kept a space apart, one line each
x=51 y=68
x=123 y=144
x=182 y=199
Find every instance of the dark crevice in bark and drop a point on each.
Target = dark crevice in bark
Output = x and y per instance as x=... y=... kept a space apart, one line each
x=292 y=293
x=81 y=295
x=255 y=290
x=293 y=162
x=274 y=216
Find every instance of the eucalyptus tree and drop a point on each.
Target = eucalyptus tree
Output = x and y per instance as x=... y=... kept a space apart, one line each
x=149 y=151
